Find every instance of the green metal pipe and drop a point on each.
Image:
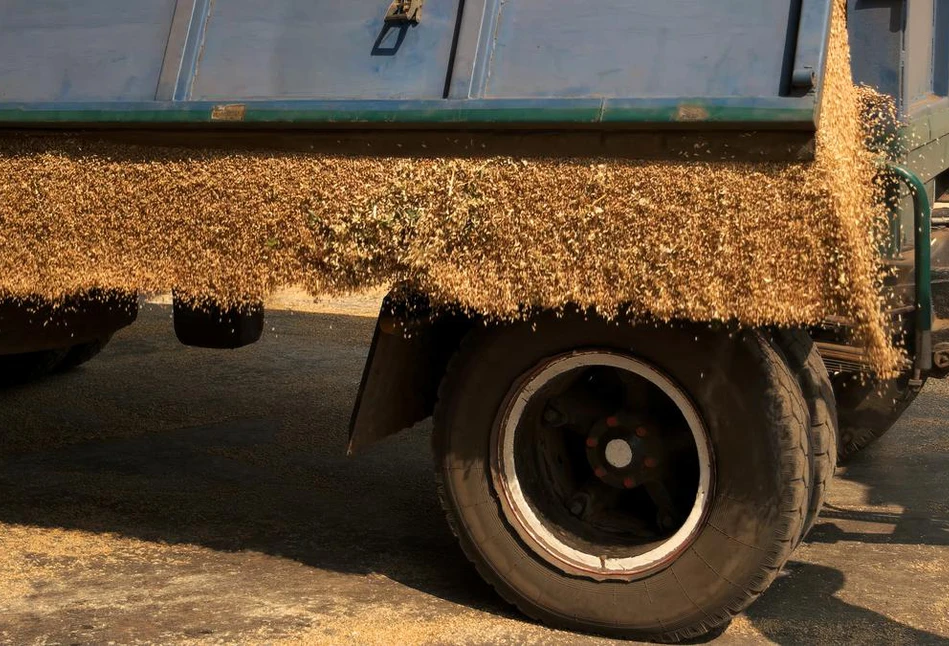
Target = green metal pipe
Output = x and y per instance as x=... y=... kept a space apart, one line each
x=779 y=113
x=922 y=224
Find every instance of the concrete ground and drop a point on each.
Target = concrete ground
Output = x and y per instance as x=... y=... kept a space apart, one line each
x=169 y=495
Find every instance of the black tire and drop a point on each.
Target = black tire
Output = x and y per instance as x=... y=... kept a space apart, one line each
x=805 y=362
x=19 y=369
x=867 y=409
x=80 y=354
x=757 y=422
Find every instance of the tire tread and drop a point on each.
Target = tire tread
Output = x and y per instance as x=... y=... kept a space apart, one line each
x=805 y=362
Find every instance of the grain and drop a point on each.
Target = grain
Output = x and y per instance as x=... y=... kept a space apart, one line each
x=757 y=244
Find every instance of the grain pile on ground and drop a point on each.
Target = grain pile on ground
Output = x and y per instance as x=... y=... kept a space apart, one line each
x=768 y=243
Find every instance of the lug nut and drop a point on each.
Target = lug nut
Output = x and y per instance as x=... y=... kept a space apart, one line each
x=650 y=462
x=612 y=421
x=629 y=483
x=592 y=442
x=641 y=432
x=600 y=472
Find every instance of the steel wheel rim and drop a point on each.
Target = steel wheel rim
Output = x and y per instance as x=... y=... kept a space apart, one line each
x=525 y=521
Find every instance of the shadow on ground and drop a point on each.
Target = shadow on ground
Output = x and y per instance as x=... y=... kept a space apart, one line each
x=803 y=607
x=244 y=451
x=887 y=508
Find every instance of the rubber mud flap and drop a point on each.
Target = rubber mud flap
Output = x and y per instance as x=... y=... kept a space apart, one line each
x=208 y=325
x=868 y=410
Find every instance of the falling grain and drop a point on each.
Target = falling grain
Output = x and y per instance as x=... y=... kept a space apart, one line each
x=759 y=244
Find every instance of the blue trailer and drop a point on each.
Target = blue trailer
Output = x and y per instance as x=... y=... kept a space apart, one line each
x=592 y=473
x=450 y=61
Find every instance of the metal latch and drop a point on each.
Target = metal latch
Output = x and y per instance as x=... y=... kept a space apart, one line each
x=401 y=11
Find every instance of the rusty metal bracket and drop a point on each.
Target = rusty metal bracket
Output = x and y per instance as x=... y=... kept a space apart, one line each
x=403 y=11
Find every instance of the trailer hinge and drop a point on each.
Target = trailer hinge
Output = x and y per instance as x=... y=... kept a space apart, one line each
x=401 y=11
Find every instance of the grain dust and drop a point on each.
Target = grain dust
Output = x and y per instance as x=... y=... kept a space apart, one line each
x=33 y=556
x=754 y=243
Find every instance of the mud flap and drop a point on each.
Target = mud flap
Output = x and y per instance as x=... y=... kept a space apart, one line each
x=407 y=359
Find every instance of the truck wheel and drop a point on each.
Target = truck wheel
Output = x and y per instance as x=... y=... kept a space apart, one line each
x=80 y=354
x=805 y=362
x=18 y=369
x=868 y=409
x=638 y=482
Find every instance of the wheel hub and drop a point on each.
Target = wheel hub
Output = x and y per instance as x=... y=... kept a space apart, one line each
x=576 y=440
x=618 y=453
x=625 y=450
